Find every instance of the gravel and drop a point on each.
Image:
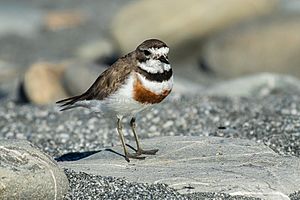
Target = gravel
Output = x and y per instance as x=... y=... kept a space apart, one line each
x=272 y=120
x=100 y=187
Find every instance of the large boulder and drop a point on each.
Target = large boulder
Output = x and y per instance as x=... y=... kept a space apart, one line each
x=269 y=45
x=181 y=23
x=27 y=173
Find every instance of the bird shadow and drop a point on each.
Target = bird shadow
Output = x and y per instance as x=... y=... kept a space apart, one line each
x=74 y=156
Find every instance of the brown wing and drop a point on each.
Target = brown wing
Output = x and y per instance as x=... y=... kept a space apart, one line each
x=107 y=83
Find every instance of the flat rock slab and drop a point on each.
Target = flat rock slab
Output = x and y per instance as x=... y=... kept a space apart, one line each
x=28 y=173
x=203 y=164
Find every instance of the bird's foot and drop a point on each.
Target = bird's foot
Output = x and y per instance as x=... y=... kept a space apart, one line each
x=146 y=152
x=134 y=156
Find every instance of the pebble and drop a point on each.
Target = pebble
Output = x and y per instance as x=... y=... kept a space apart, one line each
x=248 y=117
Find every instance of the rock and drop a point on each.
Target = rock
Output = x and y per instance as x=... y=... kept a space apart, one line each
x=269 y=45
x=64 y=19
x=181 y=23
x=42 y=83
x=290 y=5
x=256 y=85
x=202 y=164
x=9 y=79
x=79 y=76
x=96 y=49
x=27 y=173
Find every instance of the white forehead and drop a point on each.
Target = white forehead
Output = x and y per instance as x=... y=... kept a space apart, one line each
x=159 y=51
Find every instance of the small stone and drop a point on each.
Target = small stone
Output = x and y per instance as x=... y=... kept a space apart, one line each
x=64 y=19
x=168 y=124
x=42 y=83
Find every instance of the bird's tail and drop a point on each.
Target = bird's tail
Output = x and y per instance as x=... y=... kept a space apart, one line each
x=69 y=103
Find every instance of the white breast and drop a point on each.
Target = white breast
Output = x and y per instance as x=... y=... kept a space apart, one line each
x=156 y=87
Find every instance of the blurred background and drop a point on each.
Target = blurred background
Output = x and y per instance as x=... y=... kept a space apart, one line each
x=51 y=49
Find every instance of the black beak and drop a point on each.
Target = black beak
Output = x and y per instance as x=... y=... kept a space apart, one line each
x=163 y=59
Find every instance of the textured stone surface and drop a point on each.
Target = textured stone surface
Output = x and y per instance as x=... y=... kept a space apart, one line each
x=27 y=173
x=199 y=164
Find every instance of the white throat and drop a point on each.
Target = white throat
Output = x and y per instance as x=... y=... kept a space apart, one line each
x=154 y=66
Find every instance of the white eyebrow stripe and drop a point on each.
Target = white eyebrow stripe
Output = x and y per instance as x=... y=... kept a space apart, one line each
x=159 y=51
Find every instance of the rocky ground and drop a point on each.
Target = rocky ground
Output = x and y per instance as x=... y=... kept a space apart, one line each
x=113 y=188
x=272 y=120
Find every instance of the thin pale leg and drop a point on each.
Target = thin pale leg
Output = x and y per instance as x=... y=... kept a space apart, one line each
x=127 y=154
x=139 y=149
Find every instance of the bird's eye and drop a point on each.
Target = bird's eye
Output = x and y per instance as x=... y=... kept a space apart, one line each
x=146 y=52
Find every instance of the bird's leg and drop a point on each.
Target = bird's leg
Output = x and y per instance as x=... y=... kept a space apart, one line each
x=127 y=154
x=139 y=149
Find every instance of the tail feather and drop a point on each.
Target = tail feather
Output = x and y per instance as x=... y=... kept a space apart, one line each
x=68 y=103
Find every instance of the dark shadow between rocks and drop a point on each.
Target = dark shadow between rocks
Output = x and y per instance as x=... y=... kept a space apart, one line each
x=22 y=97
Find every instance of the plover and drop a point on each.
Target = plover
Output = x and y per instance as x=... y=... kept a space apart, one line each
x=133 y=83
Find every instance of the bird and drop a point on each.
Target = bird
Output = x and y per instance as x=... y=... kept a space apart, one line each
x=135 y=82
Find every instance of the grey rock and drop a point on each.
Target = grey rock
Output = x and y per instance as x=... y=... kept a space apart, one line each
x=8 y=71
x=203 y=164
x=95 y=49
x=27 y=173
x=9 y=78
x=256 y=85
x=79 y=76
x=250 y=48
x=290 y=6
